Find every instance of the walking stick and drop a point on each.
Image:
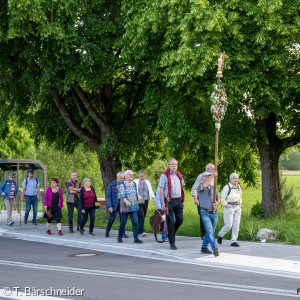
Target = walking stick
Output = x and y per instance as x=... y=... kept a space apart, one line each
x=218 y=109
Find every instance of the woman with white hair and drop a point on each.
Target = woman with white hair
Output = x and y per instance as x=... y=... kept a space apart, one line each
x=129 y=206
x=231 y=198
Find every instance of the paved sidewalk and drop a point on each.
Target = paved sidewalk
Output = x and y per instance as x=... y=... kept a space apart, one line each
x=266 y=258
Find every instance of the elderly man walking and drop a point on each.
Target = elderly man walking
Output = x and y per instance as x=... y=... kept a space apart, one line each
x=209 y=168
x=209 y=212
x=113 y=198
x=9 y=191
x=231 y=197
x=171 y=183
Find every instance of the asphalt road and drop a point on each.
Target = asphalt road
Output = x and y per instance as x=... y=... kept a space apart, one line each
x=31 y=266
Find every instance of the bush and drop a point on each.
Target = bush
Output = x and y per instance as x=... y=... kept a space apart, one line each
x=257 y=210
x=289 y=200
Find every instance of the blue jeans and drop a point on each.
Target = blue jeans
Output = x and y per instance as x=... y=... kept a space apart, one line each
x=134 y=222
x=31 y=200
x=112 y=217
x=210 y=222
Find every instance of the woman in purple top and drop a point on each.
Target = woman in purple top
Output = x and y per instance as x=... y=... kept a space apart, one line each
x=54 y=203
x=87 y=200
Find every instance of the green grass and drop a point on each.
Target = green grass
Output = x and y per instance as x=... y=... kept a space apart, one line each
x=287 y=223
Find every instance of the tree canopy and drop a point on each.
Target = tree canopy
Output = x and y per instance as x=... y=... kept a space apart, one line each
x=128 y=77
x=261 y=75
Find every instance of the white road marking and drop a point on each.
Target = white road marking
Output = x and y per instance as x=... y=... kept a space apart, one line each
x=282 y=265
x=182 y=281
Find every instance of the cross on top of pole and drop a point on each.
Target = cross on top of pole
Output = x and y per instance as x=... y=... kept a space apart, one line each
x=222 y=56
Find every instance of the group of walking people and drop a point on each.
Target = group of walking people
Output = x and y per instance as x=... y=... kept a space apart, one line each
x=130 y=198
x=84 y=199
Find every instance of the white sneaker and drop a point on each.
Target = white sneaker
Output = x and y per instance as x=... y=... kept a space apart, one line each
x=143 y=234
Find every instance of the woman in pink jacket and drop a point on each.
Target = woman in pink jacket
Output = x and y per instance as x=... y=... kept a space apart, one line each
x=54 y=204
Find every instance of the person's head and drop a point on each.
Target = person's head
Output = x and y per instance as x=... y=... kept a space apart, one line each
x=12 y=176
x=142 y=175
x=206 y=176
x=87 y=182
x=129 y=175
x=30 y=173
x=210 y=168
x=74 y=176
x=54 y=182
x=234 y=178
x=173 y=164
x=120 y=177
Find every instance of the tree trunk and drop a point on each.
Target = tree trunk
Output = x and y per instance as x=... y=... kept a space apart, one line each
x=270 y=147
x=271 y=194
x=109 y=167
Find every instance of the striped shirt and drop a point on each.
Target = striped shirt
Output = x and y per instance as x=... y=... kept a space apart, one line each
x=12 y=190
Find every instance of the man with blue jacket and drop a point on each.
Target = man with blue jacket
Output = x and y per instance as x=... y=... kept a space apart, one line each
x=9 y=191
x=113 y=197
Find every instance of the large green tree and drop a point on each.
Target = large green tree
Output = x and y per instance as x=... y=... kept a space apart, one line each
x=63 y=70
x=262 y=41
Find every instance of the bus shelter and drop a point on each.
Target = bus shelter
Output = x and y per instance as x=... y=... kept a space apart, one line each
x=20 y=167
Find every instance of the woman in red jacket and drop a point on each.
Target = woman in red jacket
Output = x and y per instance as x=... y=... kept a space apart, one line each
x=54 y=204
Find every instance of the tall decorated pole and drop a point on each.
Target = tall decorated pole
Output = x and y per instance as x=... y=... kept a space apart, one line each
x=218 y=109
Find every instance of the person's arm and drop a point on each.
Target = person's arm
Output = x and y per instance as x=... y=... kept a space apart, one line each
x=61 y=199
x=123 y=195
x=194 y=190
x=81 y=195
x=151 y=194
x=95 y=198
x=224 y=195
x=163 y=182
x=218 y=200
x=162 y=198
x=23 y=193
x=71 y=188
x=46 y=204
x=38 y=192
x=3 y=184
x=108 y=198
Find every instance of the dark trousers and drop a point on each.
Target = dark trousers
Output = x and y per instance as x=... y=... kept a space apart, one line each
x=142 y=215
x=175 y=209
x=71 y=207
x=112 y=217
x=202 y=227
x=88 y=211
x=134 y=222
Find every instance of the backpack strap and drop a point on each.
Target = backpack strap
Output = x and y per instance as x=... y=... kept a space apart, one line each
x=229 y=190
x=37 y=182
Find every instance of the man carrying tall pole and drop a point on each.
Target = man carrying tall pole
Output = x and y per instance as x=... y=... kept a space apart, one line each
x=209 y=202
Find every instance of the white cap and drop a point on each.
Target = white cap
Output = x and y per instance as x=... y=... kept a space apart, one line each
x=206 y=174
